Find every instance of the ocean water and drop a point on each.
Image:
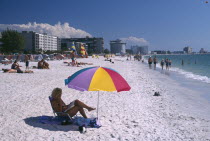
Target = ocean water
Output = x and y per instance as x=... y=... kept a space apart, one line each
x=196 y=66
x=190 y=82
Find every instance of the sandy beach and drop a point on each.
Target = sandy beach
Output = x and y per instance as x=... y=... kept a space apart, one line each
x=136 y=115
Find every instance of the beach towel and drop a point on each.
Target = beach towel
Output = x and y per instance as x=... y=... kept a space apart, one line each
x=52 y=120
x=80 y=121
x=87 y=122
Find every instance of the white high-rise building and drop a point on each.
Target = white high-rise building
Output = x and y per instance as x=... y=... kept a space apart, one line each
x=187 y=50
x=139 y=49
x=40 y=42
x=117 y=46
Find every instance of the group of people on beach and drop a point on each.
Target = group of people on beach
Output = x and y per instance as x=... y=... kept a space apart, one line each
x=57 y=103
x=15 y=68
x=167 y=62
x=137 y=57
x=74 y=61
x=154 y=61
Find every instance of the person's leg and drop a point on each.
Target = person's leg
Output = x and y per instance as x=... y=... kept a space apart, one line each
x=12 y=71
x=82 y=105
x=73 y=111
x=28 y=71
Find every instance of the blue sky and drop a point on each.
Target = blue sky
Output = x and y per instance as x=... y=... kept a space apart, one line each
x=160 y=24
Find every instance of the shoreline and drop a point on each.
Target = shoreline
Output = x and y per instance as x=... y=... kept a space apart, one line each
x=182 y=86
x=132 y=115
x=192 y=73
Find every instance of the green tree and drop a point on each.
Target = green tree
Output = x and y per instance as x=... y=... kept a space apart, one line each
x=106 y=51
x=12 y=41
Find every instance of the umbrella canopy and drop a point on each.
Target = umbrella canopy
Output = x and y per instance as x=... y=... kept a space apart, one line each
x=97 y=79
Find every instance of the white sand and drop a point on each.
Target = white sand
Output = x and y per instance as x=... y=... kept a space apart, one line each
x=133 y=115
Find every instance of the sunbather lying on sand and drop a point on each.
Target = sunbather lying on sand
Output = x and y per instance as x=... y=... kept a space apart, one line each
x=78 y=63
x=16 y=71
x=9 y=70
x=72 y=109
x=82 y=63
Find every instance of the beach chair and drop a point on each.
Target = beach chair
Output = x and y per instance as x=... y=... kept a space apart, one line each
x=56 y=114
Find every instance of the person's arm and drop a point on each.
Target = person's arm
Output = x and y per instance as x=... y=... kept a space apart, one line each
x=64 y=106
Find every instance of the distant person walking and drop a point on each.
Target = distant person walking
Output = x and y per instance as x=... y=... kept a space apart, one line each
x=167 y=64
x=155 y=62
x=150 y=62
x=27 y=62
x=182 y=62
x=162 y=63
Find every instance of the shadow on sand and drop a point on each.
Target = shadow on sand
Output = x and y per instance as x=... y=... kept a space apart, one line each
x=35 y=122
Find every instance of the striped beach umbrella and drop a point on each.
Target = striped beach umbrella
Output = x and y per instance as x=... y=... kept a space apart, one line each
x=97 y=79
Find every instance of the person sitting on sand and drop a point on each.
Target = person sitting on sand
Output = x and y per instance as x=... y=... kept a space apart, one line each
x=15 y=65
x=72 y=109
x=40 y=64
x=45 y=65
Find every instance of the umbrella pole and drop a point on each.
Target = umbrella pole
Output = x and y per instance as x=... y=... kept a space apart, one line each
x=98 y=104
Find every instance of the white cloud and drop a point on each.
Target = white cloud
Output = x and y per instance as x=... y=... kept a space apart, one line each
x=59 y=30
x=131 y=41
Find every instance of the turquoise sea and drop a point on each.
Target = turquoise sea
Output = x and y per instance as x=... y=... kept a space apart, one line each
x=196 y=66
x=191 y=81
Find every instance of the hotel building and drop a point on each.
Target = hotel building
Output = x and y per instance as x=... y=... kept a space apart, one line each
x=117 y=47
x=92 y=44
x=40 y=42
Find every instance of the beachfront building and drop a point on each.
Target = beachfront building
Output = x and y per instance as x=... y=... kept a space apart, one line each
x=0 y=45
x=0 y=40
x=178 y=52
x=117 y=47
x=202 y=51
x=160 y=52
x=40 y=42
x=92 y=44
x=187 y=50
x=139 y=49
